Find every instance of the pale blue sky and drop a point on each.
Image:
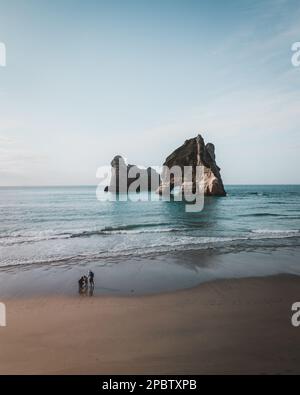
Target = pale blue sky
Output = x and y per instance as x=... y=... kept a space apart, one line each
x=86 y=80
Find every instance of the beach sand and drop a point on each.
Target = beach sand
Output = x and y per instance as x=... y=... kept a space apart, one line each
x=228 y=326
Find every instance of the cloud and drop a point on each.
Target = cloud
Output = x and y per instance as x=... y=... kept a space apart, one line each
x=254 y=42
x=235 y=113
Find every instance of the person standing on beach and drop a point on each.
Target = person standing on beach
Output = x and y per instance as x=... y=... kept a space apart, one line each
x=81 y=285
x=85 y=281
x=91 y=278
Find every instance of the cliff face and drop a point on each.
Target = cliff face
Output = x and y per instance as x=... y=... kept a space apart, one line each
x=194 y=153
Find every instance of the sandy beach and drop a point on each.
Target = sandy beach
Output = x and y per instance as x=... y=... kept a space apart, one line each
x=149 y=190
x=239 y=326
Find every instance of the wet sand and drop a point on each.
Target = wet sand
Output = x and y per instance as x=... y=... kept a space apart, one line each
x=151 y=274
x=238 y=326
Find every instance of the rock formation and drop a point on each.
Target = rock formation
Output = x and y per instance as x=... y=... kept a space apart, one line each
x=194 y=153
x=123 y=176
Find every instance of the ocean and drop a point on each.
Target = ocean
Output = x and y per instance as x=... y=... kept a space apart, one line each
x=67 y=227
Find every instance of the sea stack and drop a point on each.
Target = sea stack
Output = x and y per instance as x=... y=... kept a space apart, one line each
x=194 y=152
x=123 y=176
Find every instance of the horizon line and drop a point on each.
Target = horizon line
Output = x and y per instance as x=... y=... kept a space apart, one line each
x=96 y=185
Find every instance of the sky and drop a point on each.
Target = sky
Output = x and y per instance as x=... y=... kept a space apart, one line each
x=86 y=80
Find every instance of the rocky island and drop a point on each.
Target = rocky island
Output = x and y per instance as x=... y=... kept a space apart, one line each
x=194 y=152
x=123 y=175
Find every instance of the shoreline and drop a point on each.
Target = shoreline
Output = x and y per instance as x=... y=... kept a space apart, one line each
x=155 y=274
x=228 y=326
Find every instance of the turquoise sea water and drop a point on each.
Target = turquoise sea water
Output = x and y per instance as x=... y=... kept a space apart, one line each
x=68 y=225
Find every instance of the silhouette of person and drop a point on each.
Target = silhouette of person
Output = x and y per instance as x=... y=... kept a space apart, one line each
x=83 y=285
x=91 y=279
x=80 y=284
